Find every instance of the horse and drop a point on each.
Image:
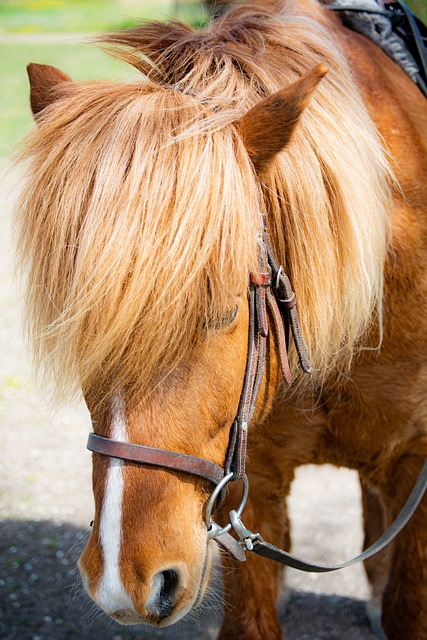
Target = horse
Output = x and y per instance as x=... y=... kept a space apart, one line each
x=141 y=229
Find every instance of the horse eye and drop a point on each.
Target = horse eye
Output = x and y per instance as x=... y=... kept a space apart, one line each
x=230 y=319
x=223 y=323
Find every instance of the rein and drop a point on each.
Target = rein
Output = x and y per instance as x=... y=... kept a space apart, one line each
x=270 y=296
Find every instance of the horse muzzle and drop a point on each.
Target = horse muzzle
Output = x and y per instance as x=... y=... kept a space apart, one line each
x=132 y=594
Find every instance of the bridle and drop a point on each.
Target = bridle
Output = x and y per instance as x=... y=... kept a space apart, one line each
x=270 y=296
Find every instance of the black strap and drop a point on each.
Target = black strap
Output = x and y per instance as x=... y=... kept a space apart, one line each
x=272 y=552
x=414 y=32
x=406 y=25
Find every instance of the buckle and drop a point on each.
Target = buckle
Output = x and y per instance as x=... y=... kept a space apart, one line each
x=246 y=536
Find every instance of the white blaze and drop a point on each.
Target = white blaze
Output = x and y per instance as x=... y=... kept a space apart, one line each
x=111 y=594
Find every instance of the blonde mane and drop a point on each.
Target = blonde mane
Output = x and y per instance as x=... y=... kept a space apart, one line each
x=138 y=222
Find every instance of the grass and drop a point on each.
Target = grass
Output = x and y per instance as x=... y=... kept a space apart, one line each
x=80 y=61
x=419 y=7
x=44 y=16
x=41 y=16
x=29 y=20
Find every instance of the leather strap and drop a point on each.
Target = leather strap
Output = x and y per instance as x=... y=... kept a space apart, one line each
x=231 y=545
x=156 y=457
x=281 y=302
x=259 y=286
x=287 y=300
x=255 y=363
x=280 y=337
x=270 y=551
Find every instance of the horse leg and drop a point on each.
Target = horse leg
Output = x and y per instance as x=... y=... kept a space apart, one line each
x=377 y=567
x=405 y=596
x=251 y=588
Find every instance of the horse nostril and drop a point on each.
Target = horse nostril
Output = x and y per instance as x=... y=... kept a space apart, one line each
x=162 y=597
x=167 y=592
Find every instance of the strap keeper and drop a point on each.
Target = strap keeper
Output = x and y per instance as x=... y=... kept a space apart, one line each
x=260 y=279
x=280 y=284
x=289 y=303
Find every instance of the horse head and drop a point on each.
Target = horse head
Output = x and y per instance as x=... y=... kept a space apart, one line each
x=178 y=376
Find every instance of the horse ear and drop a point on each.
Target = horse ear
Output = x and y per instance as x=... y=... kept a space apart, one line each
x=44 y=83
x=267 y=128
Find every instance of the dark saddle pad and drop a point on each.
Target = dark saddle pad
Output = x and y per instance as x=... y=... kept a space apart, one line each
x=394 y=28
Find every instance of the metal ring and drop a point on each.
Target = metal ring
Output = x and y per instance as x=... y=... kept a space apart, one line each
x=219 y=487
x=279 y=273
x=213 y=528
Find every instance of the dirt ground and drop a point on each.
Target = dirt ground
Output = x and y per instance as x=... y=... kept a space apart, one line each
x=46 y=506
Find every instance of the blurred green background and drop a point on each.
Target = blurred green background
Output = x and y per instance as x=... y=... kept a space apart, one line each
x=56 y=32
x=53 y=32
